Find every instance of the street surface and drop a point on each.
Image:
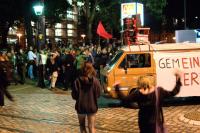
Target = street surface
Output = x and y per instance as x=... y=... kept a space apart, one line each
x=39 y=110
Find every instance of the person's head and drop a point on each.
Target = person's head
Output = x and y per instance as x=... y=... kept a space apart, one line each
x=30 y=48
x=145 y=82
x=67 y=51
x=87 y=69
x=20 y=51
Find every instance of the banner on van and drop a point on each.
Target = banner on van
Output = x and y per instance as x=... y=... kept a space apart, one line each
x=187 y=62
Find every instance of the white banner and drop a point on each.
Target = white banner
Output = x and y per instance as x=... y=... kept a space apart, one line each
x=187 y=62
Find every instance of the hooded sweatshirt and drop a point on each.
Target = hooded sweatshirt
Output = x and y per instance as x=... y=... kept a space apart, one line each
x=86 y=94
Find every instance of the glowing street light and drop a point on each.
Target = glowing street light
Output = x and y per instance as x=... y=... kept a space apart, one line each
x=38 y=9
x=83 y=36
x=40 y=26
x=19 y=36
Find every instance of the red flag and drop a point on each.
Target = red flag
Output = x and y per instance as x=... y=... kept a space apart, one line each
x=102 y=32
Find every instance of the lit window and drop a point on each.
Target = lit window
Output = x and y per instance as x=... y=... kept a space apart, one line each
x=70 y=26
x=58 y=25
x=12 y=31
x=32 y=23
x=80 y=3
x=47 y=32
x=58 y=32
x=70 y=2
x=70 y=32
x=70 y=15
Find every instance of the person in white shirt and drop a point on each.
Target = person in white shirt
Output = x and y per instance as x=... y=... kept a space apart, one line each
x=31 y=62
x=41 y=68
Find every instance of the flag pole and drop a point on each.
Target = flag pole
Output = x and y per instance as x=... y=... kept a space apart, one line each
x=99 y=40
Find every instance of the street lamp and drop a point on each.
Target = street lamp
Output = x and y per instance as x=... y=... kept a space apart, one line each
x=40 y=26
x=83 y=36
x=38 y=9
x=19 y=35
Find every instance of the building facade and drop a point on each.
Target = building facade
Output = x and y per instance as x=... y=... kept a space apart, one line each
x=63 y=32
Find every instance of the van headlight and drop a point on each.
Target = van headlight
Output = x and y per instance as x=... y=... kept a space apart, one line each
x=109 y=89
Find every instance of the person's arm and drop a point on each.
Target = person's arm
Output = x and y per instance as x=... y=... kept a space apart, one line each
x=98 y=88
x=175 y=90
x=34 y=55
x=74 y=92
x=129 y=98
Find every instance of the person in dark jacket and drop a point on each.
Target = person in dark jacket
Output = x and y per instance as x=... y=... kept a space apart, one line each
x=21 y=65
x=86 y=90
x=68 y=64
x=150 y=100
x=3 y=86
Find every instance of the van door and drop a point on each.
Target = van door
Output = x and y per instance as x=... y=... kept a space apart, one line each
x=131 y=67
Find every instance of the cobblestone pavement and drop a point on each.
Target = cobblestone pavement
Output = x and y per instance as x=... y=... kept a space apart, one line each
x=42 y=111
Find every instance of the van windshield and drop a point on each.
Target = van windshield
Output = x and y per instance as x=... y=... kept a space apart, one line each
x=115 y=59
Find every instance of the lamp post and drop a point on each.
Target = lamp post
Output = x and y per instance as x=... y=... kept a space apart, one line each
x=40 y=25
x=83 y=37
x=19 y=36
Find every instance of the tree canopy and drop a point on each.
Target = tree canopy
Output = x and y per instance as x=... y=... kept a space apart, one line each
x=109 y=12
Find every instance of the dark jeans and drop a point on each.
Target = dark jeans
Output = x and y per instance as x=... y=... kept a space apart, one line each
x=21 y=70
x=4 y=91
x=68 y=77
x=41 y=71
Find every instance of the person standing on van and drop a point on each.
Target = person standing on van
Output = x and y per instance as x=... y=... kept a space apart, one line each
x=150 y=100
x=86 y=90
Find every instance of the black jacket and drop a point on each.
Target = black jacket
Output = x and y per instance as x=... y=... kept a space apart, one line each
x=86 y=95
x=147 y=106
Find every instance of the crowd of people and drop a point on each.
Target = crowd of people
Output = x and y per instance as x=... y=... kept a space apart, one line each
x=59 y=66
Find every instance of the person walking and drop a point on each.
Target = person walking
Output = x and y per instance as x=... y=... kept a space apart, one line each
x=150 y=99
x=3 y=85
x=86 y=90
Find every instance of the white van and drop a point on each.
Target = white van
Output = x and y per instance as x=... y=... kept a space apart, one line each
x=158 y=61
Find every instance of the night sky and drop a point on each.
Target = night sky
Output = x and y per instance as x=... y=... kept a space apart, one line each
x=175 y=9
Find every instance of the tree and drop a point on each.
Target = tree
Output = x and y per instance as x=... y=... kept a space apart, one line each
x=104 y=9
x=110 y=15
x=55 y=11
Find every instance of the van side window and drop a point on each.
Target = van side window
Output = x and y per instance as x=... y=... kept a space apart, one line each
x=136 y=61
